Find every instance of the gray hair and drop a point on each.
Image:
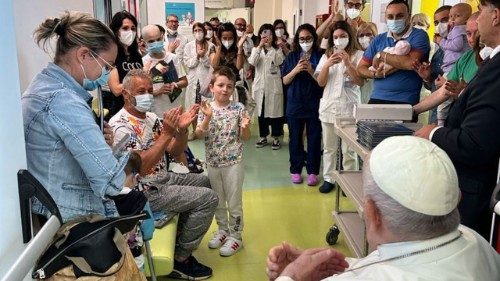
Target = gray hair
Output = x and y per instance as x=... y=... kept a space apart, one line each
x=405 y=223
x=132 y=75
x=74 y=29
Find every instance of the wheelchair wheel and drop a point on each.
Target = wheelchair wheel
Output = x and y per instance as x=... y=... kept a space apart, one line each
x=333 y=235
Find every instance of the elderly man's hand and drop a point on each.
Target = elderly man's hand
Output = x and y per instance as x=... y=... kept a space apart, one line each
x=316 y=264
x=454 y=88
x=279 y=257
x=425 y=131
x=108 y=134
x=186 y=118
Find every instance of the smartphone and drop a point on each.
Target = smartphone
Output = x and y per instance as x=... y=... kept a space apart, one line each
x=305 y=56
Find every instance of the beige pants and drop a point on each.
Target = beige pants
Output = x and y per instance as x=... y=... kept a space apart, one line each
x=330 y=140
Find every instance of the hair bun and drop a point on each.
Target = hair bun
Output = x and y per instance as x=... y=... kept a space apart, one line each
x=57 y=27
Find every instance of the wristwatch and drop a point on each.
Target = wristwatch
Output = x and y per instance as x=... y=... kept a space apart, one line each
x=377 y=56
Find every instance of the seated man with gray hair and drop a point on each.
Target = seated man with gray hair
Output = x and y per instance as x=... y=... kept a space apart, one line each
x=188 y=195
x=411 y=197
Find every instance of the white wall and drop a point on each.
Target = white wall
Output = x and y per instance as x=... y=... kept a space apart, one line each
x=27 y=16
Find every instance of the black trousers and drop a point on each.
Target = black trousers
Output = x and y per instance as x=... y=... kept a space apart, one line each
x=275 y=123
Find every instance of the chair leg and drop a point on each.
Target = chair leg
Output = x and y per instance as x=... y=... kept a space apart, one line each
x=149 y=256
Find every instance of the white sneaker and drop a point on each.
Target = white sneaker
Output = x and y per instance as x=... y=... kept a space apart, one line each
x=231 y=246
x=218 y=239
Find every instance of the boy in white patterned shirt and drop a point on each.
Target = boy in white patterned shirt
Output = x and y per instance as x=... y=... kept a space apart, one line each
x=225 y=124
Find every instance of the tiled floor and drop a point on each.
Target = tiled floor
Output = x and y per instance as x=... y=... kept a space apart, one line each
x=274 y=211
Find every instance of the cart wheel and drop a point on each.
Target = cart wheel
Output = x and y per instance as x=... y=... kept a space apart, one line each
x=333 y=235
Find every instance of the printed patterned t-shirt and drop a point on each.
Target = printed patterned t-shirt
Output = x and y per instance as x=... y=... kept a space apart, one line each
x=223 y=145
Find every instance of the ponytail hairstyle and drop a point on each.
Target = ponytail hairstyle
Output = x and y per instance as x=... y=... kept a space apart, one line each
x=74 y=29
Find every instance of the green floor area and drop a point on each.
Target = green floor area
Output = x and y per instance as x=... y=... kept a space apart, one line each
x=275 y=210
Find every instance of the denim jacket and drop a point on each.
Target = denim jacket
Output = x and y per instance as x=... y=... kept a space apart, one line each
x=65 y=148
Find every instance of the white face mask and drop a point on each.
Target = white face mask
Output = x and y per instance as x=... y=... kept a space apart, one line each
x=442 y=29
x=341 y=43
x=127 y=37
x=210 y=33
x=198 y=36
x=364 y=41
x=279 y=32
x=424 y=28
x=171 y=32
x=485 y=52
x=227 y=43
x=306 y=46
x=353 y=13
x=239 y=33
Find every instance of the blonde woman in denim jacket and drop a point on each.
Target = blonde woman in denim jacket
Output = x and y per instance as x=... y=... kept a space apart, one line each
x=65 y=148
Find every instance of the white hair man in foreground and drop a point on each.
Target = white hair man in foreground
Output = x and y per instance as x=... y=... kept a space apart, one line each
x=411 y=197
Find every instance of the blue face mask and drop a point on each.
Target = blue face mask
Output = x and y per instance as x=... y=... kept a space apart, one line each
x=143 y=102
x=155 y=47
x=91 y=85
x=102 y=80
x=396 y=26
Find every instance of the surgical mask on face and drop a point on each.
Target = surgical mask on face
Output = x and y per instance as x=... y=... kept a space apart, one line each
x=210 y=33
x=396 y=26
x=485 y=52
x=198 y=36
x=280 y=32
x=91 y=85
x=239 y=33
x=171 y=32
x=143 y=102
x=306 y=46
x=155 y=47
x=341 y=43
x=127 y=37
x=227 y=43
x=442 y=29
x=424 y=28
x=353 y=13
x=364 y=41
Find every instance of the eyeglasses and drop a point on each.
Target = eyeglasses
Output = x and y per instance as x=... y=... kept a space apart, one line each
x=354 y=5
x=109 y=67
x=307 y=39
x=173 y=21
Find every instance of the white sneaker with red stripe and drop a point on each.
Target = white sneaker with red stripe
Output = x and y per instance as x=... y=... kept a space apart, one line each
x=218 y=239
x=231 y=246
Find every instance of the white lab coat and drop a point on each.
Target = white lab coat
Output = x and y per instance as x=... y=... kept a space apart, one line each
x=267 y=82
x=340 y=93
x=466 y=259
x=198 y=69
